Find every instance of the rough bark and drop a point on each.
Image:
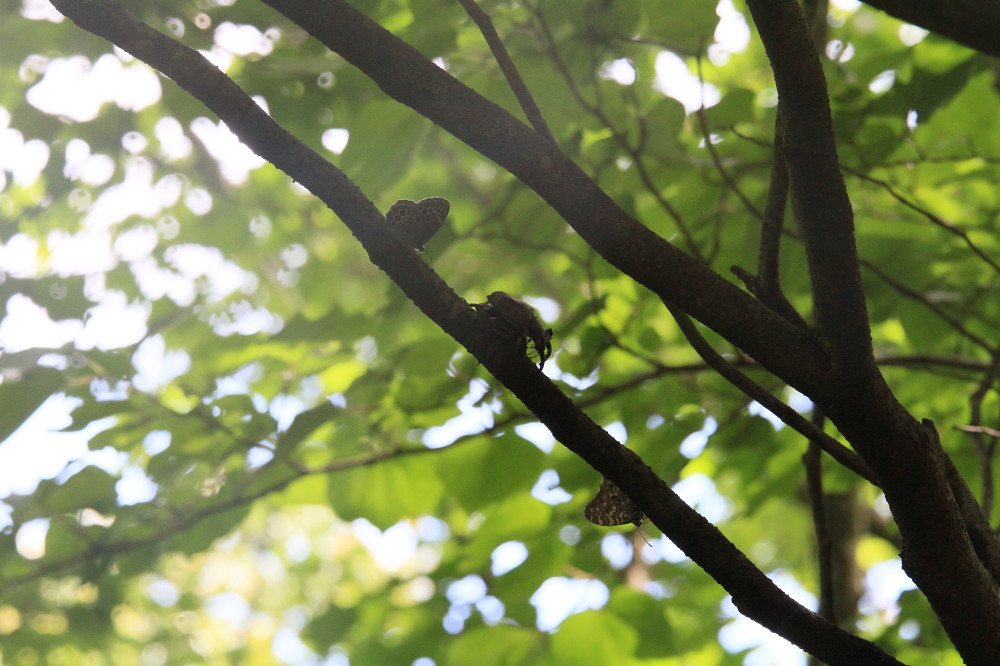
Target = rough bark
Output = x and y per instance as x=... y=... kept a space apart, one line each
x=973 y=23
x=835 y=367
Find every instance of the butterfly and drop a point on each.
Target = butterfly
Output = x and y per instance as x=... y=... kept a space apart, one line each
x=414 y=223
x=612 y=507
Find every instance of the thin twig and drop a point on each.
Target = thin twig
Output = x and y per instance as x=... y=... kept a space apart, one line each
x=716 y=160
x=812 y=460
x=789 y=416
x=524 y=98
x=928 y=215
x=978 y=434
x=920 y=298
x=633 y=153
x=768 y=271
x=992 y=432
x=766 y=285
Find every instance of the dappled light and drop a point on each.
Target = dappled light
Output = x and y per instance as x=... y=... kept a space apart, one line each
x=457 y=333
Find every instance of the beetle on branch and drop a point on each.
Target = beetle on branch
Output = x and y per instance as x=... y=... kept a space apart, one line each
x=520 y=318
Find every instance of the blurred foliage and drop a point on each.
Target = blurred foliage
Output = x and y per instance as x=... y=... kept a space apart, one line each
x=318 y=490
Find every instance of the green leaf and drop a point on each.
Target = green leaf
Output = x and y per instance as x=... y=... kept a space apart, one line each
x=737 y=106
x=593 y=638
x=644 y=614
x=330 y=627
x=66 y=541
x=927 y=91
x=91 y=487
x=306 y=423
x=91 y=411
x=493 y=646
x=21 y=397
x=480 y=472
x=398 y=488
x=664 y=122
x=688 y=25
x=62 y=297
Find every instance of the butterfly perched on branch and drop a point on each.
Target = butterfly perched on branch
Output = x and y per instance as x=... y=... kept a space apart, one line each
x=415 y=222
x=612 y=507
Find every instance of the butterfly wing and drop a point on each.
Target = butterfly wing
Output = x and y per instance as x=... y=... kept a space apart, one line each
x=431 y=214
x=414 y=223
x=612 y=507
x=400 y=212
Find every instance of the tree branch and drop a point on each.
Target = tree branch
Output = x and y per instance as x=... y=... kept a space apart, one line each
x=819 y=195
x=774 y=215
x=812 y=461
x=508 y=68
x=915 y=473
x=752 y=389
x=953 y=229
x=403 y=74
x=753 y=593
x=973 y=23
x=940 y=312
x=766 y=285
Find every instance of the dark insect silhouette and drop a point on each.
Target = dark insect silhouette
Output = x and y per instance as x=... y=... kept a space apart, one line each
x=521 y=318
x=612 y=507
x=415 y=222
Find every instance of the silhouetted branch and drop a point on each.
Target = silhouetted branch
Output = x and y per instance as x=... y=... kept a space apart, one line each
x=398 y=67
x=789 y=416
x=508 y=68
x=974 y=23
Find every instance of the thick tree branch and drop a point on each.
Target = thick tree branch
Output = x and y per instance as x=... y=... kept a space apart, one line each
x=403 y=74
x=819 y=195
x=753 y=593
x=906 y=457
x=974 y=23
x=976 y=523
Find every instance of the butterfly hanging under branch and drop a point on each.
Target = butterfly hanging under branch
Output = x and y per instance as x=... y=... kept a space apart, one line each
x=415 y=222
x=612 y=507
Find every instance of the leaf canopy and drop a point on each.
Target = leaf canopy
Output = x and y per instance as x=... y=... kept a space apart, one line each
x=326 y=464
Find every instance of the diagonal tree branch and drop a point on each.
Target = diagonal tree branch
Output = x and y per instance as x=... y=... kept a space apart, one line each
x=951 y=228
x=940 y=312
x=753 y=593
x=752 y=389
x=403 y=74
x=524 y=98
x=974 y=23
